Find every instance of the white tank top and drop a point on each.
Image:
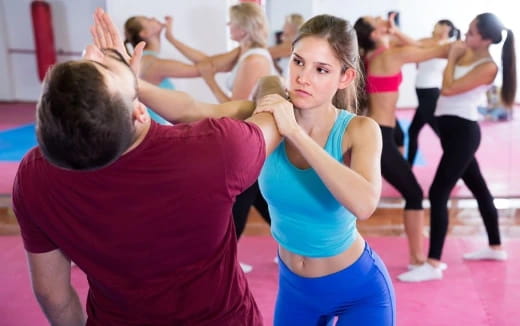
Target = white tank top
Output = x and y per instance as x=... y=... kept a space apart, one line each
x=429 y=73
x=230 y=81
x=464 y=105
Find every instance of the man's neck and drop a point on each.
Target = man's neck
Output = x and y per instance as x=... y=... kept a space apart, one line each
x=141 y=130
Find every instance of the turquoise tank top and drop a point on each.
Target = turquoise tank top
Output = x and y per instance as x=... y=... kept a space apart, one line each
x=165 y=84
x=306 y=219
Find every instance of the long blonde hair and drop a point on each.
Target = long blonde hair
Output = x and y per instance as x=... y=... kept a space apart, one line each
x=251 y=18
x=295 y=19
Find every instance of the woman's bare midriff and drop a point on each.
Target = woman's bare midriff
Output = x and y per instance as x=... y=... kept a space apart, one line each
x=381 y=108
x=317 y=267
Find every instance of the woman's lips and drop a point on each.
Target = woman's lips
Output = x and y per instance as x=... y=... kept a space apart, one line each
x=302 y=92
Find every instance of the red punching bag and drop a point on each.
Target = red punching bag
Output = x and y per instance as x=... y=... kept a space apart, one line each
x=43 y=36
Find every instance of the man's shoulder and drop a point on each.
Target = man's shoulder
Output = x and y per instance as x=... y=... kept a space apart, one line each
x=28 y=175
x=33 y=157
x=33 y=169
x=220 y=127
x=220 y=123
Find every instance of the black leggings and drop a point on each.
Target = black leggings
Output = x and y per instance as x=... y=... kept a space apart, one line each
x=250 y=197
x=460 y=139
x=423 y=115
x=398 y=134
x=397 y=171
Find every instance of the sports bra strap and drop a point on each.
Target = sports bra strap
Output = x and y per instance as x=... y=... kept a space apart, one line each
x=376 y=52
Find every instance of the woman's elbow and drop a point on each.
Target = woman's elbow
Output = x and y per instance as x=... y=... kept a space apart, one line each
x=46 y=297
x=366 y=210
x=202 y=58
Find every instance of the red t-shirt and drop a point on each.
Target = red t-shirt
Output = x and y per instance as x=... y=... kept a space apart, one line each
x=153 y=231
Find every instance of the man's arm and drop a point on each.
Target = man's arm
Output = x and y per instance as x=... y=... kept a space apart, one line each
x=265 y=121
x=50 y=275
x=176 y=106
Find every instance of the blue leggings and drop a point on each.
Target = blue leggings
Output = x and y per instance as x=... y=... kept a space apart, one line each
x=361 y=294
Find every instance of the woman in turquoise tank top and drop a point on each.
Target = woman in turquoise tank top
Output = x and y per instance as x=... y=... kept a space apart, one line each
x=155 y=70
x=322 y=178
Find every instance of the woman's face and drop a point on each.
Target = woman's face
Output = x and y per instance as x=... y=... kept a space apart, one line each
x=441 y=31
x=315 y=73
x=473 y=38
x=151 y=26
x=235 y=31
x=379 y=25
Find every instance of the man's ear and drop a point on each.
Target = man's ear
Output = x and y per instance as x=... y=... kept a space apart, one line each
x=347 y=78
x=140 y=113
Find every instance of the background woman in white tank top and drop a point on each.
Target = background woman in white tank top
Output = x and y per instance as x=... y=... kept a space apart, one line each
x=247 y=63
x=469 y=73
x=428 y=82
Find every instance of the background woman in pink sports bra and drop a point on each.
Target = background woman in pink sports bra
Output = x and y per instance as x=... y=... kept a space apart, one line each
x=384 y=59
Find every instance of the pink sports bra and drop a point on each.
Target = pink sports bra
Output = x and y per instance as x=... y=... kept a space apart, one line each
x=380 y=84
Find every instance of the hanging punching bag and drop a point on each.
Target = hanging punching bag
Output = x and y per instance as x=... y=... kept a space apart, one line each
x=43 y=36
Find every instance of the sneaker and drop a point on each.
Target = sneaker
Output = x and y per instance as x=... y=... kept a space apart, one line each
x=486 y=254
x=442 y=266
x=425 y=272
x=246 y=268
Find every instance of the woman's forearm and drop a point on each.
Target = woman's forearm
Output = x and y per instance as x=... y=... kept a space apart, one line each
x=216 y=90
x=190 y=53
x=447 y=80
x=339 y=178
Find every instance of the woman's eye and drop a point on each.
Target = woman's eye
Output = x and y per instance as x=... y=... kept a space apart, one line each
x=322 y=71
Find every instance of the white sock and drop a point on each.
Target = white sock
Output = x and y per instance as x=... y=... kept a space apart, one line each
x=443 y=266
x=486 y=254
x=425 y=272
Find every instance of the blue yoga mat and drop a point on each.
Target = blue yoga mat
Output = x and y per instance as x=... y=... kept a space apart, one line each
x=14 y=143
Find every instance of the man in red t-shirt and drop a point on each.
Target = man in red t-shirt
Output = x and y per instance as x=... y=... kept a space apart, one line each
x=143 y=209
